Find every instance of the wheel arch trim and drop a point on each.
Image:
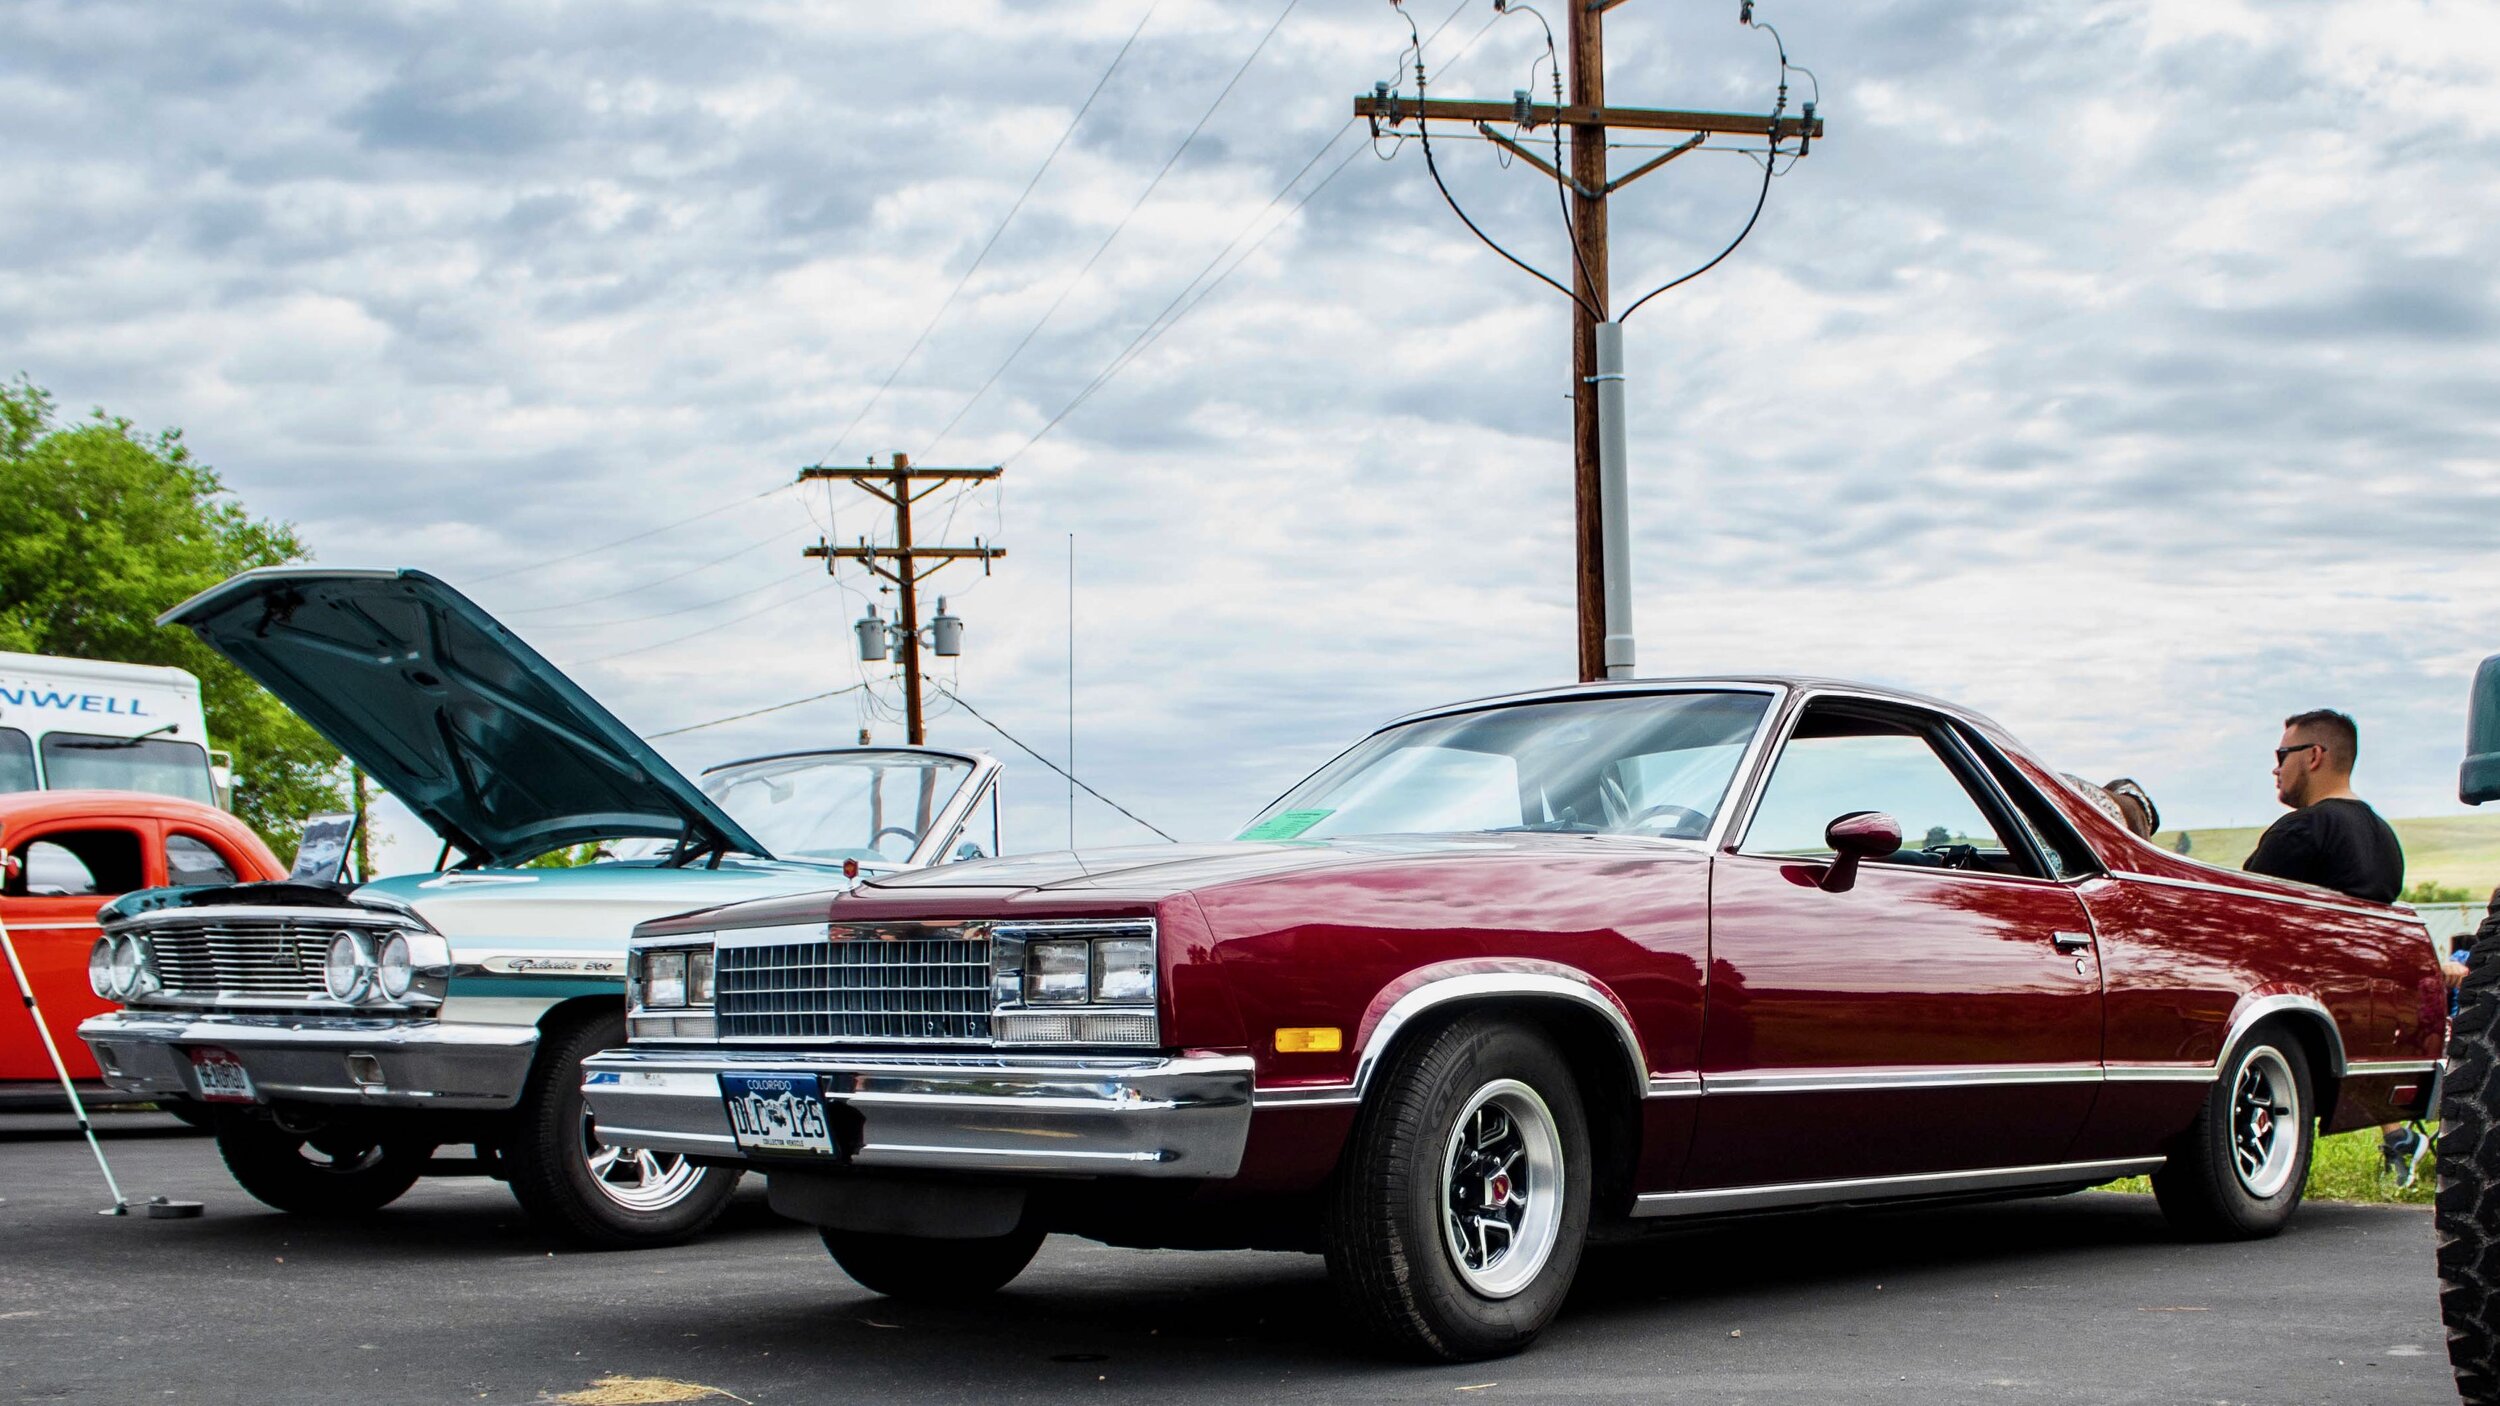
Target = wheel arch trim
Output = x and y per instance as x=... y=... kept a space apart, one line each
x=1398 y=1006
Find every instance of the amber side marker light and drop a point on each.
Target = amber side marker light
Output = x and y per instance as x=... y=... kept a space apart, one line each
x=1309 y=1039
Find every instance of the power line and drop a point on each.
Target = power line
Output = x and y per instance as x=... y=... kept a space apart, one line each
x=1054 y=766
x=640 y=586
x=697 y=634
x=992 y=242
x=753 y=713
x=1099 y=249
x=635 y=537
x=681 y=610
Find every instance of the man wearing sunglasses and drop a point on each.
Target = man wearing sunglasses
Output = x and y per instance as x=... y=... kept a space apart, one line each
x=2332 y=838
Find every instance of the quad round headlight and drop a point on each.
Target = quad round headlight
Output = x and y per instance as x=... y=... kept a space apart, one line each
x=349 y=969
x=394 y=971
x=100 y=968
x=129 y=967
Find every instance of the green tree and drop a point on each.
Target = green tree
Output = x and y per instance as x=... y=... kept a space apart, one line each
x=101 y=530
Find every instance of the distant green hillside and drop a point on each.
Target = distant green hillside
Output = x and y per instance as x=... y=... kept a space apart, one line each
x=2461 y=851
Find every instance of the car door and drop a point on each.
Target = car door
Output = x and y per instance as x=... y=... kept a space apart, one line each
x=59 y=874
x=1942 y=1013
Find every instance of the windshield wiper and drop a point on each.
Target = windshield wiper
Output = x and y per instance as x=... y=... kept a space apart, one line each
x=114 y=744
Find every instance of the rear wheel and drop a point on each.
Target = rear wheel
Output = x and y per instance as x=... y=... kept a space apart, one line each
x=2469 y=1185
x=324 y=1171
x=927 y=1270
x=2240 y=1171
x=1458 y=1216
x=600 y=1197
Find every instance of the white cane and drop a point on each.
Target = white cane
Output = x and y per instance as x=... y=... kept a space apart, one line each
x=18 y=969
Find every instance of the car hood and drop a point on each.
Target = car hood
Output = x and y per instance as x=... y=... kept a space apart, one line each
x=494 y=748
x=601 y=901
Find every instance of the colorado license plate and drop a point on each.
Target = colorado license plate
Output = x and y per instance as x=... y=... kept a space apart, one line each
x=778 y=1113
x=221 y=1076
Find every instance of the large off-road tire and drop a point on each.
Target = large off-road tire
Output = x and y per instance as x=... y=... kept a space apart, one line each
x=1460 y=1209
x=926 y=1270
x=2239 y=1172
x=329 y=1171
x=2469 y=1185
x=588 y=1194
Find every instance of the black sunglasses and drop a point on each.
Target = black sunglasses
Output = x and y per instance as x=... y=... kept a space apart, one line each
x=2281 y=752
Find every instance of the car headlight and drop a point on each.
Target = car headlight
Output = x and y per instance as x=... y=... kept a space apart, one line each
x=100 y=968
x=1124 y=970
x=699 y=965
x=394 y=969
x=664 y=981
x=128 y=968
x=347 y=972
x=1056 y=973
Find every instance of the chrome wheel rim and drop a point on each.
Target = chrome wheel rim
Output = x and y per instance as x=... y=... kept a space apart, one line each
x=1502 y=1189
x=637 y=1178
x=2265 y=1123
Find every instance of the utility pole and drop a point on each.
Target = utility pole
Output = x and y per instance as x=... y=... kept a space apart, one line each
x=1601 y=518
x=901 y=563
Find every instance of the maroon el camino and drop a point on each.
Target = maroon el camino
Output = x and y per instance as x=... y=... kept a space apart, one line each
x=1513 y=973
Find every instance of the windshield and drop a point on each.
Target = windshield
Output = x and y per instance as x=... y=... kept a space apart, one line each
x=74 y=761
x=1654 y=765
x=874 y=807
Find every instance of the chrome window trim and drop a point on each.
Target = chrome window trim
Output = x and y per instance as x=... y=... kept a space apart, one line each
x=2300 y=900
x=1582 y=990
x=1717 y=1200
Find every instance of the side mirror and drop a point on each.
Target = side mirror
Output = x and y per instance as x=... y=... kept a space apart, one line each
x=2479 y=780
x=1858 y=836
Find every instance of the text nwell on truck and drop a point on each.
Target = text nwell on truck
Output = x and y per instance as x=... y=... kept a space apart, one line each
x=88 y=725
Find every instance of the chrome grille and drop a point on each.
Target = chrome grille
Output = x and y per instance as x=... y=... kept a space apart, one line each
x=254 y=957
x=872 y=986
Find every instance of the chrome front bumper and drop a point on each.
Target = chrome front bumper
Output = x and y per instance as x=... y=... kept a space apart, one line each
x=1021 y=1115
x=319 y=1058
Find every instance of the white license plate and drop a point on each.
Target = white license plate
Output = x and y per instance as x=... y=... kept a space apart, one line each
x=778 y=1113
x=221 y=1076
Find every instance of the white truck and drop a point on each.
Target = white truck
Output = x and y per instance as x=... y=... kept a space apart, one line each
x=90 y=725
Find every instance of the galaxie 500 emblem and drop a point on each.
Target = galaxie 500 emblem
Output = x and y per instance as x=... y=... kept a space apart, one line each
x=557 y=966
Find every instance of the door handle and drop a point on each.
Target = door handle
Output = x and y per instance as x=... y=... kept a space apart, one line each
x=2071 y=941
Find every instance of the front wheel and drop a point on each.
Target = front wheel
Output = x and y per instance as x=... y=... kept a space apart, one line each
x=927 y=1270
x=325 y=1171
x=2240 y=1171
x=2469 y=1185
x=590 y=1194
x=1458 y=1216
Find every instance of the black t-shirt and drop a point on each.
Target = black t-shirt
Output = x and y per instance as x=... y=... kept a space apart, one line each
x=2339 y=844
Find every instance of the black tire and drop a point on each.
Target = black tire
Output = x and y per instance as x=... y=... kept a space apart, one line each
x=2208 y=1189
x=925 y=1270
x=585 y=1194
x=328 y=1172
x=2469 y=1184
x=1421 y=1144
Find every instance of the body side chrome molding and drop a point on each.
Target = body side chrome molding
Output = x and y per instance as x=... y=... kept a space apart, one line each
x=2324 y=900
x=1941 y=1076
x=1720 y=1200
x=1582 y=991
x=2376 y=1068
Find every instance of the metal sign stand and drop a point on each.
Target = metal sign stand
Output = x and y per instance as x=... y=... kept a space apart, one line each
x=159 y=1207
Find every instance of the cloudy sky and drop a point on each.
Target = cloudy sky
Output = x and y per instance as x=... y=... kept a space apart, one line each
x=2122 y=370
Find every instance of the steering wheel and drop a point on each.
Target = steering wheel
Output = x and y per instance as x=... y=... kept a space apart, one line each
x=1687 y=823
x=910 y=837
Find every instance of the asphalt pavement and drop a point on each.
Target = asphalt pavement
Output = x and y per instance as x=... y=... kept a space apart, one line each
x=450 y=1296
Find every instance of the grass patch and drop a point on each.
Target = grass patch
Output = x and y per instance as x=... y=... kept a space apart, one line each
x=2345 y=1167
x=2458 y=850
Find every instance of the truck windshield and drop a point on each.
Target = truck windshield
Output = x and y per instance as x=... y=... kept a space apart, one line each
x=1656 y=765
x=17 y=761
x=75 y=761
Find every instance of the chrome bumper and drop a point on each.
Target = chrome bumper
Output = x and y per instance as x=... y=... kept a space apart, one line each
x=319 y=1059
x=1020 y=1115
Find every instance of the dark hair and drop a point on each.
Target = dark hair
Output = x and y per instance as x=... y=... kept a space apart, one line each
x=2130 y=788
x=2342 y=738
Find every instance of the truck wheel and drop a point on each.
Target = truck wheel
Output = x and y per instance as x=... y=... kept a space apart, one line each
x=1459 y=1211
x=2240 y=1171
x=589 y=1194
x=2469 y=1185
x=927 y=1270
x=328 y=1171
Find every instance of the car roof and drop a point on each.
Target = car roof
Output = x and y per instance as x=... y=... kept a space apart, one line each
x=1747 y=683
x=127 y=804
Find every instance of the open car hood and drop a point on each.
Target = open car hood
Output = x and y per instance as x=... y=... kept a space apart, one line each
x=485 y=740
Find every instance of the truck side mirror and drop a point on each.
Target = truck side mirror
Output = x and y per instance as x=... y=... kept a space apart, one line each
x=2479 y=780
x=1858 y=836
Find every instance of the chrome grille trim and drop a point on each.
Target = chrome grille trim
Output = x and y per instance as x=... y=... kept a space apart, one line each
x=925 y=985
x=244 y=956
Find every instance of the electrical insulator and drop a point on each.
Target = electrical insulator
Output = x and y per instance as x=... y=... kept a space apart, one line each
x=946 y=633
x=871 y=636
